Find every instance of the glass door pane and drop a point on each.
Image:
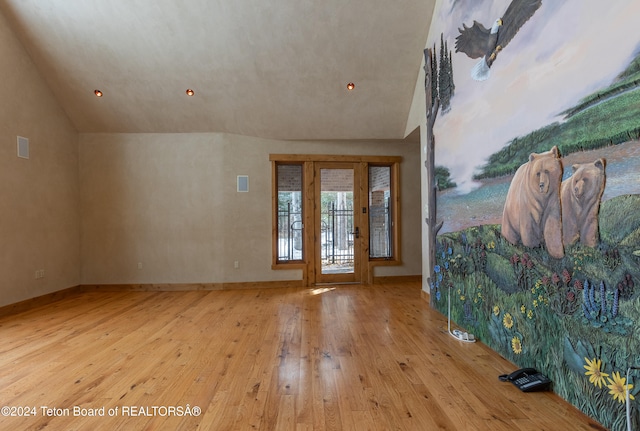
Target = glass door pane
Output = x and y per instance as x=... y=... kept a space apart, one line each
x=337 y=232
x=380 y=212
x=290 y=227
x=336 y=217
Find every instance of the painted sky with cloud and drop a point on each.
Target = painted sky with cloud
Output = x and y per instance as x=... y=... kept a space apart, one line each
x=567 y=50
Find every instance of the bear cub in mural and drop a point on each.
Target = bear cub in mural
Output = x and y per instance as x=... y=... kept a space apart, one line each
x=580 y=196
x=531 y=212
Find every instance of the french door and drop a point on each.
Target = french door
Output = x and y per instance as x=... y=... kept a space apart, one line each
x=339 y=223
x=335 y=217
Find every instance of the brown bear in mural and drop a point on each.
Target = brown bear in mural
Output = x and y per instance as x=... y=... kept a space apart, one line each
x=580 y=197
x=531 y=212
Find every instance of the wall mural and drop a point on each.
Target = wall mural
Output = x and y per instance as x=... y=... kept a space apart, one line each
x=537 y=171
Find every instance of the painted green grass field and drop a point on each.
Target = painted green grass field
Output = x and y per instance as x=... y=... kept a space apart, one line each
x=577 y=319
x=601 y=119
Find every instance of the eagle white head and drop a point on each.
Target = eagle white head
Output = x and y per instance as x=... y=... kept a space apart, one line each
x=496 y=26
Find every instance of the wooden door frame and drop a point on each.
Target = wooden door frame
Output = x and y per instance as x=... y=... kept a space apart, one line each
x=308 y=161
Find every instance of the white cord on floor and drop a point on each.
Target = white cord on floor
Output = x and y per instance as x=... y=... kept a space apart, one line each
x=457 y=334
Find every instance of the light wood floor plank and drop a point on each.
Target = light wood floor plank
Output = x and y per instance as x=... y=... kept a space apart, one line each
x=340 y=358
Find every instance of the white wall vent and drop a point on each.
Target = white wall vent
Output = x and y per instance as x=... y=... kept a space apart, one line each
x=243 y=183
x=23 y=147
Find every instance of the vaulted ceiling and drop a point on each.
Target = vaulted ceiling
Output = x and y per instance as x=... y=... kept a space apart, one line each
x=272 y=69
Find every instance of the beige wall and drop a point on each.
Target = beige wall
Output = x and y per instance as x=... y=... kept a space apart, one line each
x=169 y=202
x=87 y=209
x=39 y=213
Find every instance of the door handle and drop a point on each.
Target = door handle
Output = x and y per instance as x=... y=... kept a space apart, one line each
x=356 y=233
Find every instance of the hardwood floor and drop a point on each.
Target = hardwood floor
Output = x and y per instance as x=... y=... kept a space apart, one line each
x=333 y=358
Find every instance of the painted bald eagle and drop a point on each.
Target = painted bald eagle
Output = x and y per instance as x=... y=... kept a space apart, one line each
x=479 y=42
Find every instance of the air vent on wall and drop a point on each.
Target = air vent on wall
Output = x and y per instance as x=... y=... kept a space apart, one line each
x=23 y=147
x=243 y=183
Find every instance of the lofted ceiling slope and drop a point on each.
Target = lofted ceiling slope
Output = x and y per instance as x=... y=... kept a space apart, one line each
x=271 y=69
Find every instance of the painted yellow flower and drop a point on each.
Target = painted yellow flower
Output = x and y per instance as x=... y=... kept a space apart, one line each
x=516 y=346
x=523 y=309
x=530 y=314
x=533 y=290
x=462 y=297
x=496 y=310
x=593 y=371
x=535 y=302
x=507 y=321
x=479 y=287
x=618 y=387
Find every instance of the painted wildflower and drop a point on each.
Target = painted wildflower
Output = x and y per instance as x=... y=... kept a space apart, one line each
x=496 y=310
x=596 y=376
x=530 y=314
x=618 y=387
x=523 y=309
x=507 y=321
x=516 y=345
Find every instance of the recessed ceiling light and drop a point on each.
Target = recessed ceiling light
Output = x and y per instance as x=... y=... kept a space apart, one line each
x=351 y=86
x=98 y=93
x=190 y=92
